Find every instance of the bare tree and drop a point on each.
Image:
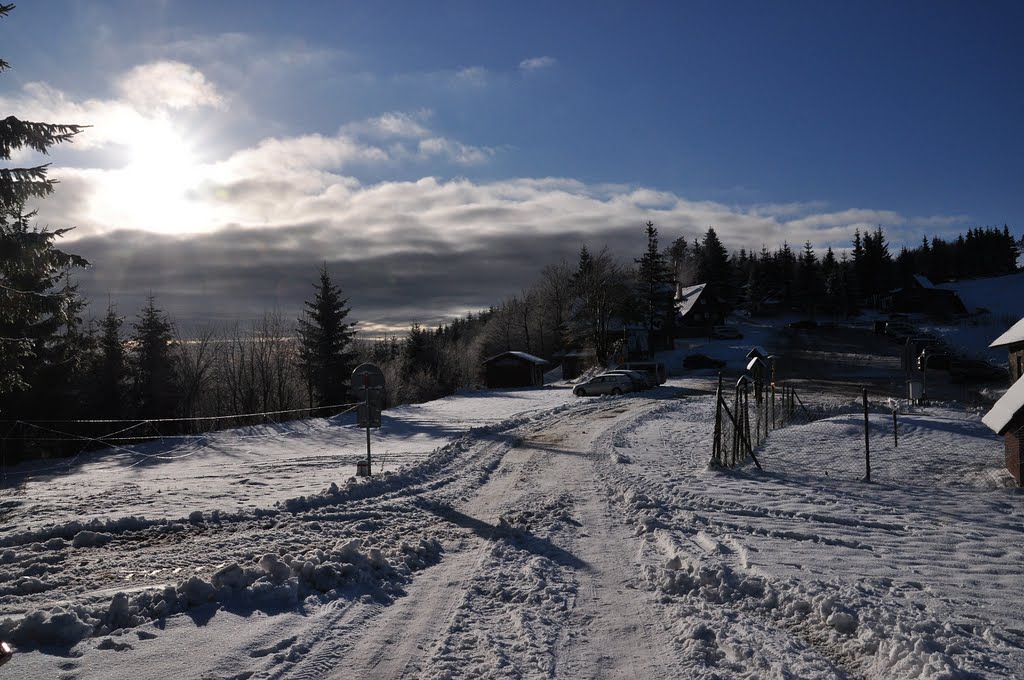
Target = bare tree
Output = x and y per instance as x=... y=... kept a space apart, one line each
x=197 y=359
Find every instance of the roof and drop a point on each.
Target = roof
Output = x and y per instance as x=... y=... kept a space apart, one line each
x=757 y=351
x=523 y=356
x=923 y=281
x=754 y=362
x=1015 y=334
x=1006 y=408
x=687 y=297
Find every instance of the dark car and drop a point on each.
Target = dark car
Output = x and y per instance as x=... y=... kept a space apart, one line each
x=695 y=361
x=974 y=370
x=938 y=358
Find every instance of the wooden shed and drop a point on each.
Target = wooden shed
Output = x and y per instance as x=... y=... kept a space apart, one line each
x=514 y=369
x=919 y=295
x=1007 y=420
x=1013 y=341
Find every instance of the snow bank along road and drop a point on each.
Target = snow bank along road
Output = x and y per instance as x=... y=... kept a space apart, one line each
x=583 y=540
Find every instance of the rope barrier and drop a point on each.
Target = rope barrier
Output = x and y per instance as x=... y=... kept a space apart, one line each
x=351 y=405
x=111 y=440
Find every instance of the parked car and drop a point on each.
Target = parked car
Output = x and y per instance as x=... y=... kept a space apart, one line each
x=726 y=333
x=938 y=357
x=641 y=380
x=604 y=384
x=694 y=361
x=655 y=368
x=900 y=328
x=974 y=370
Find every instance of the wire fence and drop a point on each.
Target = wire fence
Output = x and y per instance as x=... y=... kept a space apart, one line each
x=876 y=439
x=66 y=439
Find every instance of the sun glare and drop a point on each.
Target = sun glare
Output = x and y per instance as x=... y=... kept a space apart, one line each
x=154 y=190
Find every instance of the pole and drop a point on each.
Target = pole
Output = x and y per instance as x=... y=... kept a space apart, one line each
x=867 y=441
x=895 y=431
x=716 y=445
x=366 y=389
x=924 y=374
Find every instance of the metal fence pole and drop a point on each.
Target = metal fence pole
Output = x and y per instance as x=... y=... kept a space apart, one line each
x=867 y=440
x=895 y=431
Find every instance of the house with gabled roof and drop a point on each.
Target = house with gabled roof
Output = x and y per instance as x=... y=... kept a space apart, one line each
x=920 y=296
x=698 y=310
x=1013 y=341
x=514 y=369
x=1006 y=418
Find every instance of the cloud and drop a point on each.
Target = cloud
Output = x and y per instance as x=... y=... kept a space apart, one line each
x=394 y=124
x=232 y=236
x=423 y=250
x=537 y=64
x=475 y=76
x=168 y=85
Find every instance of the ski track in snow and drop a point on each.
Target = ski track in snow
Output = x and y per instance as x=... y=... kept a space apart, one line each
x=580 y=538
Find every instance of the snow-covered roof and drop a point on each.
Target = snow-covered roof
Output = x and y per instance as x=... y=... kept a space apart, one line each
x=923 y=281
x=520 y=355
x=687 y=297
x=757 y=351
x=754 y=361
x=1006 y=408
x=1015 y=334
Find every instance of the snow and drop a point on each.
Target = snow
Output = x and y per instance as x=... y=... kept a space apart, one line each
x=1014 y=335
x=520 y=355
x=1006 y=408
x=526 y=534
x=923 y=281
x=687 y=297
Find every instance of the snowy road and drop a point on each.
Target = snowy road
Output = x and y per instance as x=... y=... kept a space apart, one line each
x=551 y=537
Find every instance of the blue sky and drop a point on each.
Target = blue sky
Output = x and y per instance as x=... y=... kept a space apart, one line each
x=405 y=137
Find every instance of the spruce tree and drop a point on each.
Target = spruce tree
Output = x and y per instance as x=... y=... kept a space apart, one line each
x=37 y=305
x=325 y=344
x=153 y=365
x=656 y=293
x=110 y=371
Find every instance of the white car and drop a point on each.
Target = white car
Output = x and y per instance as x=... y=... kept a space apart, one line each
x=606 y=383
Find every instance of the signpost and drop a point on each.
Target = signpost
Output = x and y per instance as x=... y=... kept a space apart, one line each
x=368 y=386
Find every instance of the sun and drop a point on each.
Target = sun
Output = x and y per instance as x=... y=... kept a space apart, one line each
x=156 y=189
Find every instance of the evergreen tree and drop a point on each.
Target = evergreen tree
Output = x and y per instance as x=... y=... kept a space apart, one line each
x=34 y=307
x=713 y=265
x=325 y=344
x=808 y=279
x=656 y=292
x=110 y=370
x=153 y=365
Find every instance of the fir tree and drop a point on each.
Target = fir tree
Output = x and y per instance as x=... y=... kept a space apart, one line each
x=153 y=365
x=34 y=306
x=656 y=292
x=110 y=371
x=325 y=344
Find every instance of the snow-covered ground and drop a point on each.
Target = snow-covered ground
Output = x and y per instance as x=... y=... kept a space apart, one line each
x=522 y=534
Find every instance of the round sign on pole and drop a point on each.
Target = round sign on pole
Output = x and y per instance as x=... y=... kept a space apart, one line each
x=367 y=375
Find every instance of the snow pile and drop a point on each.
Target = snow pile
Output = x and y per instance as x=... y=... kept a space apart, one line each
x=267 y=582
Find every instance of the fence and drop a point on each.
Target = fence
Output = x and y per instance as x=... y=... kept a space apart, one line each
x=47 y=439
x=883 y=440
